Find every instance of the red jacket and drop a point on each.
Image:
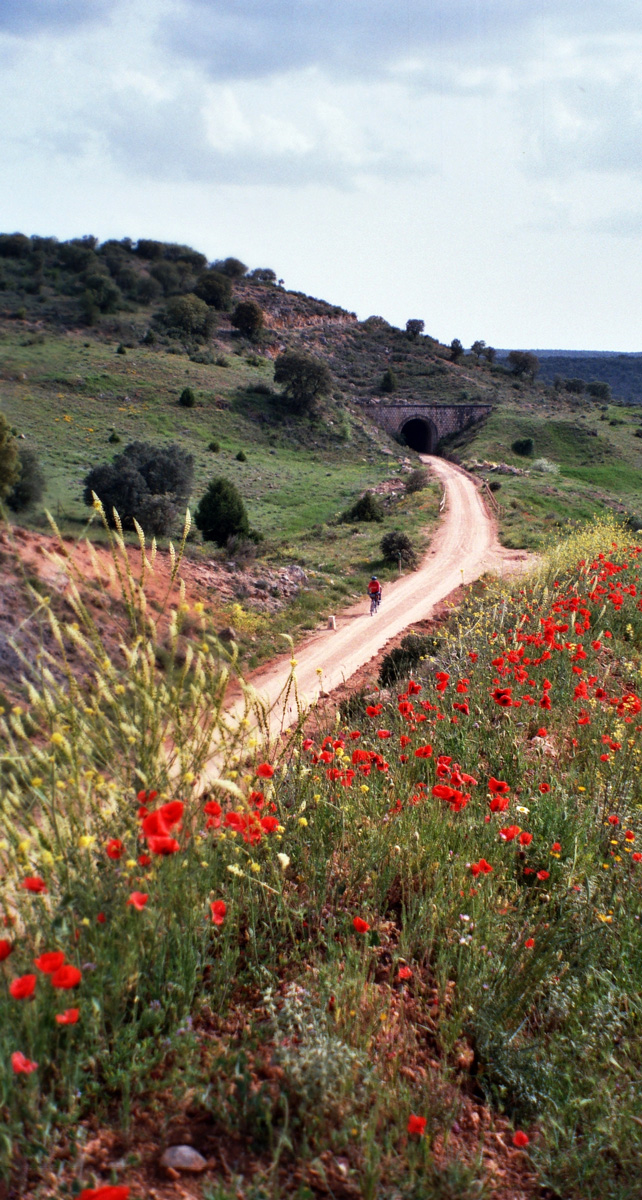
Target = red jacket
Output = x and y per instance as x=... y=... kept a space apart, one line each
x=374 y=587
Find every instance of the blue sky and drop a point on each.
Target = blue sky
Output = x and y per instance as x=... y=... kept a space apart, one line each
x=475 y=163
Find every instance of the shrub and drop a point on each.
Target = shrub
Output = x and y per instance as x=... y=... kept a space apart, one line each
x=545 y=466
x=367 y=508
x=576 y=386
x=241 y=456
x=113 y=438
x=456 y=350
x=303 y=376
x=188 y=313
x=599 y=390
x=523 y=446
x=232 y=267
x=522 y=362
x=9 y=459
x=389 y=380
x=215 y=289
x=414 y=327
x=145 y=483
x=417 y=480
x=221 y=513
x=248 y=318
x=397 y=547
x=263 y=275
x=494 y=485
x=104 y=293
x=400 y=662
x=187 y=397
x=638 y=433
x=30 y=485
x=121 y=349
x=214 y=447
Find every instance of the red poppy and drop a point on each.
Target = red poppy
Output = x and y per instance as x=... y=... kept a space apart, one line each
x=269 y=824
x=163 y=845
x=520 y=1139
x=636 y=857
x=543 y=874
x=629 y=836
x=115 y=849
x=373 y=710
x=308 y=743
x=499 y=804
x=107 y=1192
x=481 y=868
x=498 y=786
x=146 y=797
x=5 y=948
x=66 y=977
x=544 y=788
x=143 y=860
x=23 y=987
x=101 y=918
x=68 y=1017
x=529 y=943
x=218 y=909
x=510 y=832
x=360 y=925
x=49 y=962
x=556 y=847
x=265 y=771
x=613 y=819
x=416 y=1125
x=423 y=751
x=138 y=900
x=21 y=1065
x=542 y=732
x=525 y=839
x=404 y=973
x=383 y=734
x=33 y=884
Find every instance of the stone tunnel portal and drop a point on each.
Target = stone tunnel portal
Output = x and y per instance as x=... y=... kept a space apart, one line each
x=420 y=434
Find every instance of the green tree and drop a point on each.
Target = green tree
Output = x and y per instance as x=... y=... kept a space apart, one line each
x=599 y=390
x=30 y=485
x=367 y=508
x=523 y=362
x=221 y=513
x=146 y=483
x=388 y=380
x=478 y=348
x=414 y=327
x=248 y=318
x=232 y=267
x=9 y=459
x=188 y=313
x=456 y=350
x=215 y=289
x=303 y=376
x=397 y=547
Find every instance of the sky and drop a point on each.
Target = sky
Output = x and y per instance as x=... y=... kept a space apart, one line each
x=473 y=163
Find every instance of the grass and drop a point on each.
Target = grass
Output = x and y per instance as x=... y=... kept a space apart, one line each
x=391 y=932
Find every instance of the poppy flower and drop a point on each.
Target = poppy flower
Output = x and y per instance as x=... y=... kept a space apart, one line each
x=498 y=787
x=138 y=900
x=33 y=884
x=146 y=797
x=218 y=909
x=416 y=1125
x=21 y=1065
x=308 y=743
x=556 y=847
x=265 y=771
x=543 y=874
x=529 y=943
x=525 y=839
x=636 y=857
x=269 y=824
x=143 y=860
x=383 y=734
x=5 y=948
x=613 y=819
x=68 y=1017
x=404 y=973
x=423 y=751
x=520 y=1139
x=373 y=710
x=114 y=849
x=544 y=788
x=629 y=836
x=23 y=987
x=481 y=868
x=542 y=732
x=101 y=918
x=50 y=961
x=499 y=804
x=163 y=845
x=107 y=1192
x=510 y=832
x=360 y=925
x=66 y=977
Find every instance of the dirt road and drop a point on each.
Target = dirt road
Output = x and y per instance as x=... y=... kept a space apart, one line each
x=464 y=547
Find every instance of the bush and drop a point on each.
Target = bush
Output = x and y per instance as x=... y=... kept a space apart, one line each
x=397 y=547
x=30 y=486
x=545 y=466
x=523 y=446
x=146 y=483
x=221 y=513
x=522 y=362
x=248 y=318
x=188 y=314
x=241 y=456
x=494 y=485
x=187 y=397
x=456 y=350
x=599 y=390
x=417 y=480
x=113 y=438
x=215 y=289
x=414 y=327
x=576 y=386
x=214 y=447
x=367 y=508
x=9 y=459
x=121 y=349
x=389 y=380
x=263 y=275
x=400 y=662
x=232 y=267
x=303 y=376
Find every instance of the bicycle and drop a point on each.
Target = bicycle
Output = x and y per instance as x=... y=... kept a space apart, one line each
x=375 y=601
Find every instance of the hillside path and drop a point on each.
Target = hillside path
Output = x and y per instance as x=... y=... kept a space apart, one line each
x=464 y=547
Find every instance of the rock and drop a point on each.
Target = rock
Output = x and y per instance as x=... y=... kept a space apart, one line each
x=228 y=634
x=183 y=1158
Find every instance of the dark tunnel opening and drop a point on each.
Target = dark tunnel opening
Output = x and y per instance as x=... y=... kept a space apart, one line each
x=420 y=435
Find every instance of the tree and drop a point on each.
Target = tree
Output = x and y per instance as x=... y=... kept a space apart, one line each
x=189 y=314
x=187 y=398
x=367 y=508
x=215 y=289
x=145 y=483
x=9 y=460
x=576 y=386
x=263 y=275
x=456 y=350
x=414 y=327
x=388 y=380
x=523 y=362
x=248 y=318
x=221 y=513
x=599 y=390
x=30 y=485
x=523 y=446
x=490 y=354
x=232 y=267
x=397 y=547
x=478 y=348
x=303 y=376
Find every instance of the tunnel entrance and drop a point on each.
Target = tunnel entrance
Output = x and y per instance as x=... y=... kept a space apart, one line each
x=420 y=435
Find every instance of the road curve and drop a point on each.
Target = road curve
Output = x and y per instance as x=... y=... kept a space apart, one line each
x=464 y=547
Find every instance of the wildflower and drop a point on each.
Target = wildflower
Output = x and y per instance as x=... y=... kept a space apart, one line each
x=284 y=860
x=404 y=973
x=49 y=962
x=5 y=948
x=613 y=819
x=529 y=943
x=629 y=836
x=520 y=1139
x=499 y=804
x=544 y=788
x=383 y=734
x=218 y=909
x=525 y=839
x=107 y=1192
x=373 y=710
x=101 y=918
x=23 y=987
x=68 y=1017
x=423 y=751
x=543 y=874
x=542 y=732
x=265 y=771
x=114 y=849
x=360 y=925
x=510 y=832
x=21 y=1065
x=163 y=845
x=498 y=786
x=144 y=860
x=636 y=857
x=66 y=977
x=33 y=884
x=556 y=848
x=416 y=1125
x=138 y=900
x=481 y=868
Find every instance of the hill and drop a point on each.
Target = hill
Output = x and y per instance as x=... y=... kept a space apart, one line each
x=622 y=372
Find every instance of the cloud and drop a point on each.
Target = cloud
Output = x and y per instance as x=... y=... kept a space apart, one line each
x=28 y=17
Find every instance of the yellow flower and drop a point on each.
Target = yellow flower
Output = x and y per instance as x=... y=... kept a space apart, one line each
x=57 y=739
x=47 y=857
x=86 y=841
x=36 y=781
x=85 y=921
x=254 y=866
x=23 y=847
x=302 y=822
x=199 y=607
x=234 y=869
x=189 y=777
x=130 y=863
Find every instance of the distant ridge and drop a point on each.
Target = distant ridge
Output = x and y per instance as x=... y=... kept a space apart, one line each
x=577 y=353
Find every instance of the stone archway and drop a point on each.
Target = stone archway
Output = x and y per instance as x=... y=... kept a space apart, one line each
x=419 y=434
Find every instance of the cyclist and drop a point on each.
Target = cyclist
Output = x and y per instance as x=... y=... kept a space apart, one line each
x=374 y=592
